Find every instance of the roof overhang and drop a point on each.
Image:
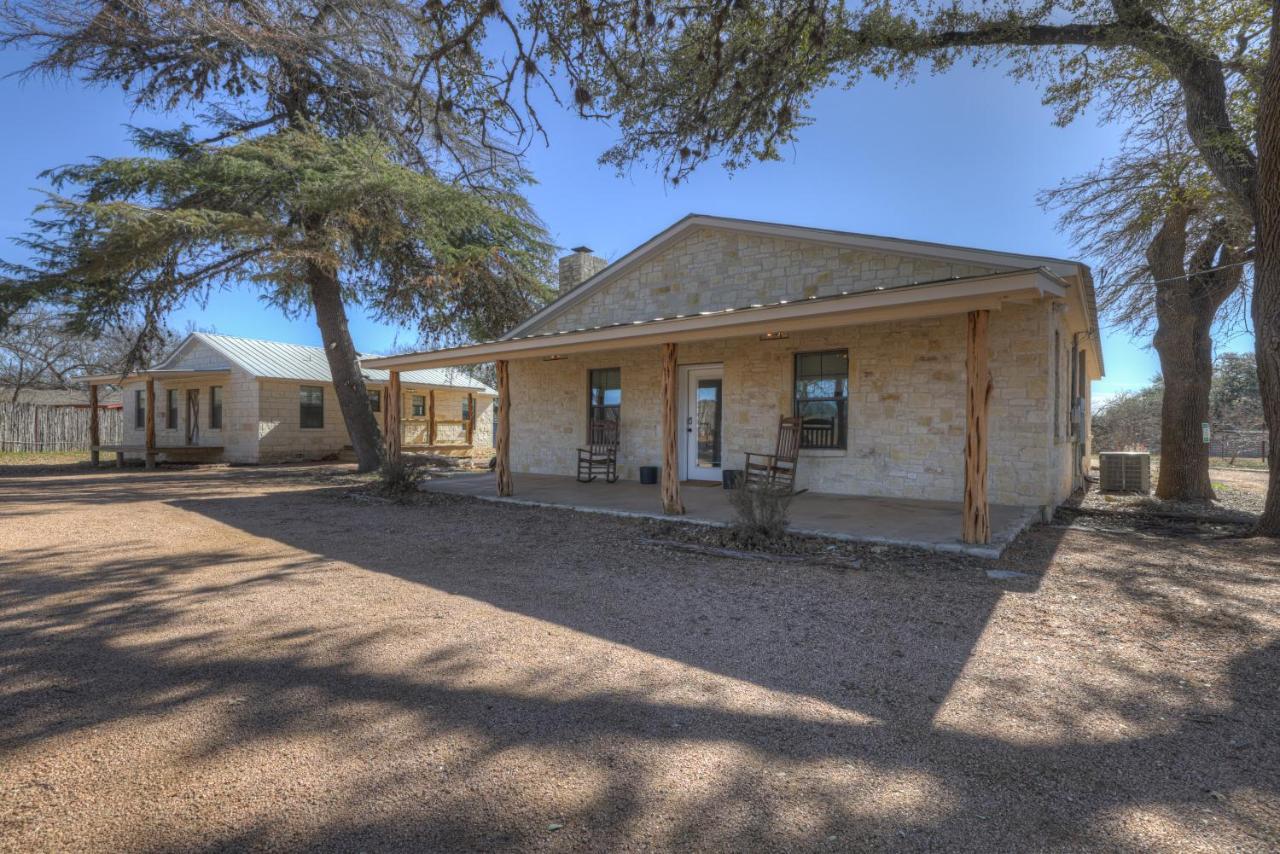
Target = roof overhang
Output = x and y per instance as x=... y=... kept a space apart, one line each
x=409 y=384
x=952 y=296
x=154 y=374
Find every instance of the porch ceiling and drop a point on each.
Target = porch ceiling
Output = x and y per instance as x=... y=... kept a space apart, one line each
x=932 y=299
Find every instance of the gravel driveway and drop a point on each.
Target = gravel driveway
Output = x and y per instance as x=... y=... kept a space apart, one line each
x=223 y=659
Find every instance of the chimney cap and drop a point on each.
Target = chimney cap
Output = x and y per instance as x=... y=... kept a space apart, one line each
x=582 y=249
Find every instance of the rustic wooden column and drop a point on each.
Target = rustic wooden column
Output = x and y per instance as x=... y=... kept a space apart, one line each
x=503 y=439
x=431 y=416
x=95 y=432
x=670 y=454
x=150 y=450
x=977 y=518
x=391 y=417
x=471 y=418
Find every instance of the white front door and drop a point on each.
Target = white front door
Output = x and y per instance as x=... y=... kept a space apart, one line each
x=702 y=412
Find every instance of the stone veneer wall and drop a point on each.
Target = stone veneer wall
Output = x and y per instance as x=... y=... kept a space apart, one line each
x=281 y=437
x=906 y=407
x=713 y=269
x=238 y=435
x=417 y=431
x=261 y=418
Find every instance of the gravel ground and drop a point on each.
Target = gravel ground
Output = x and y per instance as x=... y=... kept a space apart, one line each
x=1241 y=494
x=228 y=659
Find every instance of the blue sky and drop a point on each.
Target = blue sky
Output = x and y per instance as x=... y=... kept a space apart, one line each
x=954 y=159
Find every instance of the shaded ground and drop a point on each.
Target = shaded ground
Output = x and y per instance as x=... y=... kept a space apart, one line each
x=1240 y=493
x=217 y=659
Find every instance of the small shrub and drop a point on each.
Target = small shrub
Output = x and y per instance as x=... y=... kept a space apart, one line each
x=761 y=514
x=399 y=478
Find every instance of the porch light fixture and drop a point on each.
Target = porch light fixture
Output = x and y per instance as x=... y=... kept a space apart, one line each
x=774 y=336
x=555 y=358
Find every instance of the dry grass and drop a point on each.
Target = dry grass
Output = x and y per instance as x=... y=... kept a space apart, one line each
x=42 y=458
x=230 y=659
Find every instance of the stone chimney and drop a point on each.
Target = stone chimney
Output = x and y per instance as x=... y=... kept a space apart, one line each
x=578 y=267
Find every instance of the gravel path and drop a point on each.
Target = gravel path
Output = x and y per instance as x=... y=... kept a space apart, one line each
x=230 y=659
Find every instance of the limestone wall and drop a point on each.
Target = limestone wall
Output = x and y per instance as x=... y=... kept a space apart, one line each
x=906 y=407
x=712 y=269
x=449 y=404
x=281 y=437
x=238 y=435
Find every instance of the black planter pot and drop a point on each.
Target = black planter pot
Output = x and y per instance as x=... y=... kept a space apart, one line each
x=649 y=474
x=732 y=478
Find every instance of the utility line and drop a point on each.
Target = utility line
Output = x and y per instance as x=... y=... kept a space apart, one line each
x=1189 y=275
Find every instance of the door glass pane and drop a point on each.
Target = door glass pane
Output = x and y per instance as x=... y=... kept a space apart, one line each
x=708 y=424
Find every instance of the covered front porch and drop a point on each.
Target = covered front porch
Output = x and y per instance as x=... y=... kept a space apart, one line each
x=743 y=346
x=934 y=525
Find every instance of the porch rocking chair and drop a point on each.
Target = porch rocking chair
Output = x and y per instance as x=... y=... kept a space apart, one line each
x=777 y=470
x=601 y=454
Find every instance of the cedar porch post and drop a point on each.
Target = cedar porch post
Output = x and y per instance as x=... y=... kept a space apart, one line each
x=977 y=518
x=431 y=416
x=150 y=450
x=391 y=417
x=471 y=417
x=503 y=440
x=95 y=437
x=670 y=459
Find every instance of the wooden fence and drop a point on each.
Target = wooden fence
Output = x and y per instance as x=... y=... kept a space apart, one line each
x=28 y=427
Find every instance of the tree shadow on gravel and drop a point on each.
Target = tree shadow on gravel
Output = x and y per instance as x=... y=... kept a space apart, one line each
x=824 y=720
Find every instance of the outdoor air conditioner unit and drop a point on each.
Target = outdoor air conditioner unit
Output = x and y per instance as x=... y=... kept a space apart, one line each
x=1126 y=471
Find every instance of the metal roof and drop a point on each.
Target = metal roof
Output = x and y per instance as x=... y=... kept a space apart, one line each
x=278 y=360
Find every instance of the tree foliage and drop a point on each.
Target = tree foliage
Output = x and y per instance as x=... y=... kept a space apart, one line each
x=734 y=80
x=1236 y=399
x=327 y=129
x=161 y=230
x=1131 y=420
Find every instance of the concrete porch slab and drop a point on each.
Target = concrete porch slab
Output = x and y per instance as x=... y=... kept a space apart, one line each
x=933 y=525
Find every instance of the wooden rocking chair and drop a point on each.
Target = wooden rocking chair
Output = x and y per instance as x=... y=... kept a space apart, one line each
x=777 y=470
x=601 y=454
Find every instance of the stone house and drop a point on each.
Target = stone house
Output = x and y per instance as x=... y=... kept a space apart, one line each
x=244 y=400
x=700 y=339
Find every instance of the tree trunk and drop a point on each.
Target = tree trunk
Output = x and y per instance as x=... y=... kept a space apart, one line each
x=1266 y=281
x=344 y=367
x=1187 y=301
x=1186 y=363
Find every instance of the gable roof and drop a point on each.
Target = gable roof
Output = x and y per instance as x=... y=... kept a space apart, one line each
x=1001 y=261
x=283 y=361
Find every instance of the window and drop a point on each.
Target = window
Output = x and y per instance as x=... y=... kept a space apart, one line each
x=605 y=399
x=139 y=409
x=419 y=406
x=375 y=399
x=466 y=410
x=171 y=408
x=822 y=398
x=215 y=407
x=311 y=406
